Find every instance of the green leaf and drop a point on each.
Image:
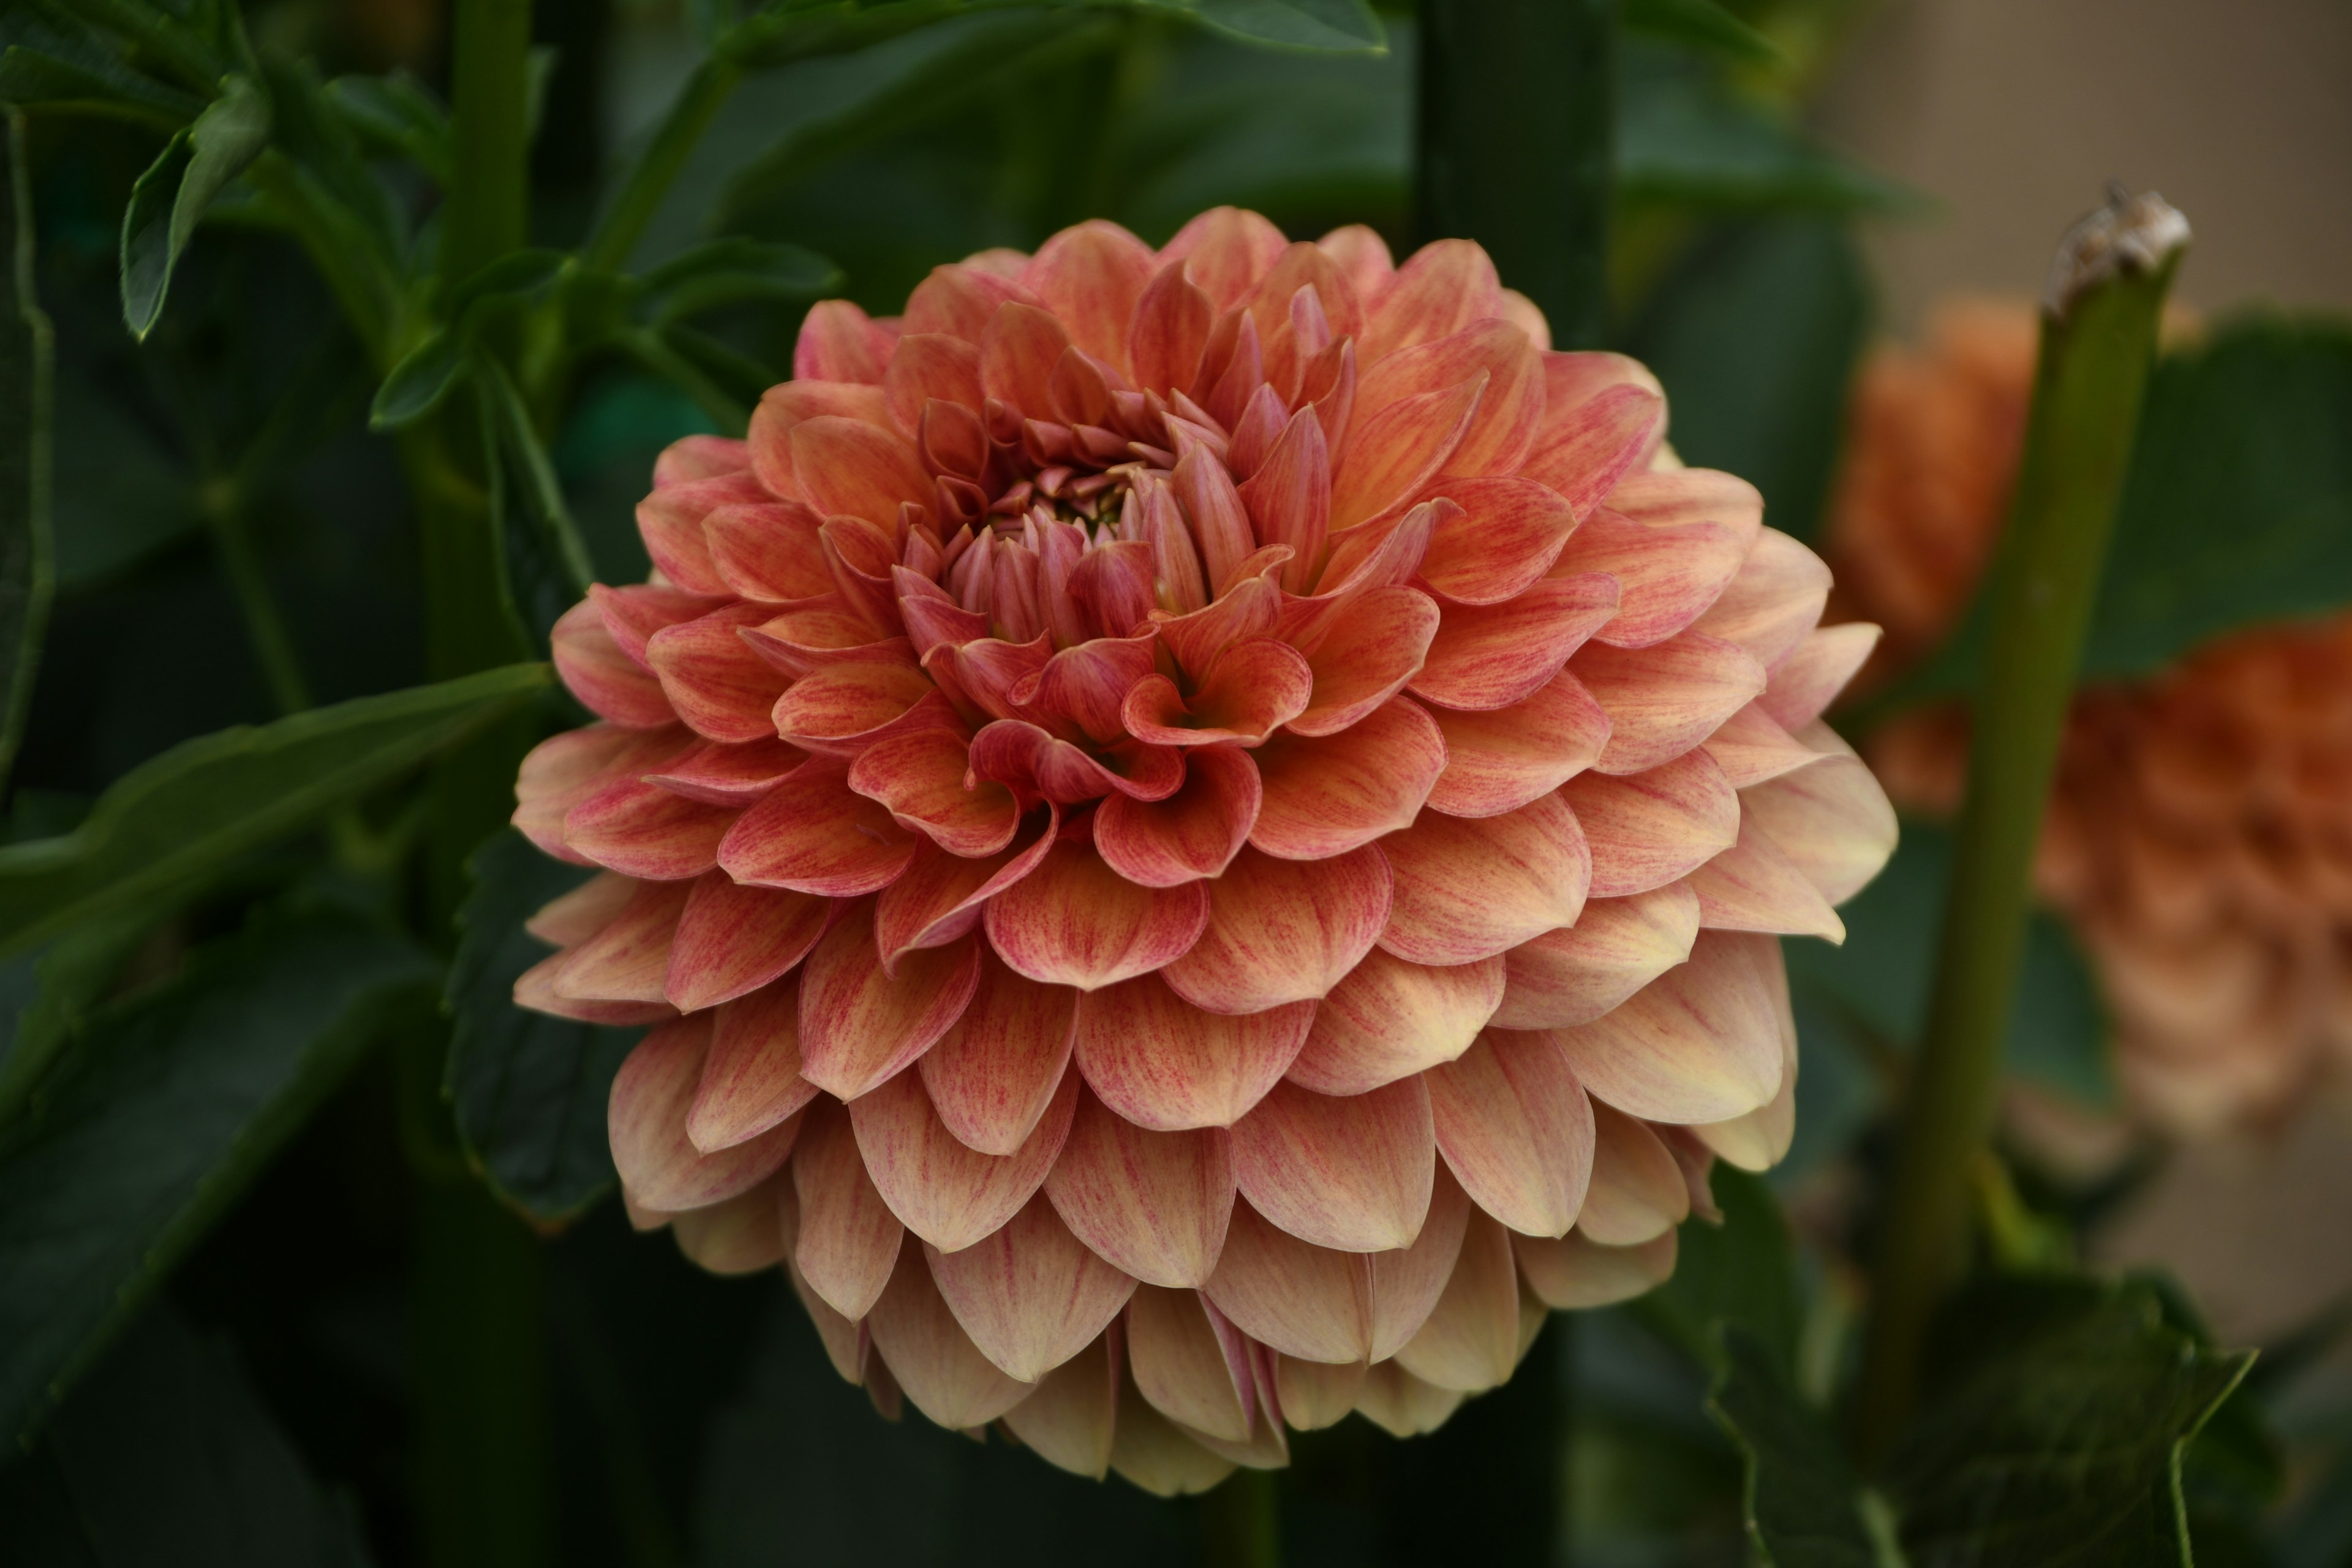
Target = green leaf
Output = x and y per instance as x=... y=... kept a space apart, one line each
x=68 y=75
x=2058 y=1430
x=28 y=541
x=1703 y=24
x=167 y=1454
x=543 y=565
x=1742 y=1271
x=781 y=35
x=395 y=114
x=1879 y=979
x=424 y=376
x=44 y=996
x=529 y=1089
x=1755 y=336
x=182 y=814
x=731 y=271
x=1805 y=1506
x=169 y=199
x=173 y=1103
x=1325 y=26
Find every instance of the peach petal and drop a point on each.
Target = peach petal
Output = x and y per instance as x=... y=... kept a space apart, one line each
x=574 y=917
x=1194 y=834
x=848 y=468
x=691 y=458
x=838 y=342
x=1492 y=656
x=861 y=1024
x=1637 y=1193
x=1751 y=747
x=732 y=939
x=1326 y=795
x=647 y=1116
x=1155 y=1204
x=1030 y=1295
x=1830 y=817
x=672 y=521
x=1091 y=275
x=1291 y=1296
x=624 y=962
x=1773 y=603
x=1362 y=257
x=942 y=1189
x=1391 y=455
x=933 y=1359
x=958 y=299
x=564 y=770
x=1283 y=931
x=1575 y=1272
x=608 y=682
x=813 y=834
x=1472 y=887
x=1752 y=885
x=1585 y=450
x=941 y=896
x=1382 y=642
x=633 y=615
x=1017 y=752
x=1500 y=759
x=1076 y=922
x=1815 y=671
x=1226 y=251
x=1018 y=351
x=1164 y=1064
x=720 y=687
x=1648 y=828
x=752 y=1079
x=1168 y=331
x=1068 y=1422
x=927 y=366
x=1505 y=426
x=643 y=830
x=1351 y=1172
x=1576 y=973
x=849 y=1240
x=1471 y=1340
x=1406 y=1284
x=781 y=408
x=1288 y=498
x=1156 y=1454
x=717 y=773
x=1442 y=287
x=1248 y=609
x=1664 y=700
x=841 y=708
x=920 y=777
x=1507 y=534
x=1191 y=1364
x=738 y=1237
x=1700 y=1043
x=1401 y=1404
x=994 y=1073
x=1668 y=574
x=1390 y=1019
x=1087 y=684
x=534 y=989
x=1515 y=1130
x=1249 y=690
x=826 y=631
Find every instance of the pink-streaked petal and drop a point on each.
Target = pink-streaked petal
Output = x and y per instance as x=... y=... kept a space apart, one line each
x=1090 y=275
x=574 y=917
x=1507 y=534
x=625 y=961
x=1031 y=1295
x=1403 y=1405
x=1505 y=425
x=738 y=1237
x=1815 y=671
x=826 y=631
x=919 y=775
x=1637 y=1193
x=838 y=342
x=1752 y=885
x=1249 y=690
x=1406 y=1283
x=719 y=775
x=1584 y=451
x=1154 y=1204
x=1362 y=257
x=1014 y=751
x=1390 y=1019
x=1515 y=1130
x=1471 y=1340
x=1157 y=1455
x=752 y=1079
x=1773 y=603
x=1291 y=1296
x=1326 y=795
x=1830 y=818
x=1669 y=573
x=1391 y=455
x=994 y=1073
x=1760 y=1139
x=1288 y=498
x=691 y=458
x=1351 y=1172
x=643 y=830
x=929 y=1354
x=1225 y=251
x=781 y=409
x=719 y=686
x=1087 y=684
x=1649 y=828
x=1168 y=329
x=1283 y=931
x=1575 y=975
x=1069 y=1421
x=958 y=299
x=1192 y=834
x=674 y=523
x=1315 y=1394
x=943 y=1190
x=651 y=1093
x=534 y=988
x=841 y=708
x=1189 y=1363
x=941 y=896
x=1441 y=288
x=849 y=1239
x=1700 y=1043
x=860 y=1024
x=1018 y=349
x=813 y=834
x=1164 y=1064
x=633 y=615
x=1076 y=922
x=598 y=672
x=1751 y=747
x=1472 y=887
x=848 y=468
x=1665 y=700
x=1380 y=642
x=931 y=366
x=1491 y=656
x=1574 y=1272
x=1500 y=759
x=1247 y=609
x=564 y=770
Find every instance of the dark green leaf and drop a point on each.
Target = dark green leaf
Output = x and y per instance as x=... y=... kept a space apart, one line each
x=27 y=545
x=166 y=1454
x=1683 y=135
x=1805 y=1506
x=530 y=1090
x=1755 y=336
x=395 y=114
x=543 y=566
x=172 y=1103
x=781 y=35
x=202 y=802
x=1326 y=26
x=71 y=77
x=45 y=994
x=171 y=197
x=1703 y=24
x=2056 y=1432
x=1742 y=1271
x=729 y=271
x=426 y=373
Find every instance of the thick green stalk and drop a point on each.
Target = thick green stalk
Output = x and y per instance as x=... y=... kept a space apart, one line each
x=2098 y=343
x=1241 y=1522
x=486 y=209
x=265 y=624
x=624 y=217
x=1514 y=143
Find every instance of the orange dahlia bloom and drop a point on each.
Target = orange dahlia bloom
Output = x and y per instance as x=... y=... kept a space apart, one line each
x=1202 y=829
x=2200 y=837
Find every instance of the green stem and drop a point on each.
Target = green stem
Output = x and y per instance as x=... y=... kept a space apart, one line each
x=369 y=297
x=1514 y=146
x=632 y=208
x=2098 y=343
x=264 y=624
x=1241 y=1521
x=487 y=211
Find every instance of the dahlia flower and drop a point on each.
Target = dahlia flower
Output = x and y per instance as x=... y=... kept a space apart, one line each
x=2200 y=836
x=1202 y=831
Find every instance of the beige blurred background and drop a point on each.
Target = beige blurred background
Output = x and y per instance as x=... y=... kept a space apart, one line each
x=2011 y=114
